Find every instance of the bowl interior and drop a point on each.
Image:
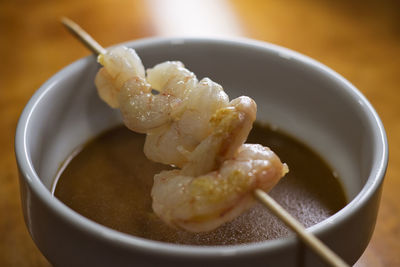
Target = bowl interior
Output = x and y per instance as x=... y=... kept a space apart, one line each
x=293 y=92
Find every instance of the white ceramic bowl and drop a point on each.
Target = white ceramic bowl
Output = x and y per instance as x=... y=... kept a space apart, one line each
x=294 y=92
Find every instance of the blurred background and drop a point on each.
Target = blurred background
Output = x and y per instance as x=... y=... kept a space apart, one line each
x=358 y=39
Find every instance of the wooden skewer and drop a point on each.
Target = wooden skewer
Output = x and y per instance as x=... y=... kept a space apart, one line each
x=83 y=36
x=308 y=238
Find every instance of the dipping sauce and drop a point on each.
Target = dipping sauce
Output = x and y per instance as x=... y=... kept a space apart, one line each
x=110 y=179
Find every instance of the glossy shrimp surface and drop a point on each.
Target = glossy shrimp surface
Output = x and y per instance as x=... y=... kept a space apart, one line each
x=204 y=202
x=193 y=126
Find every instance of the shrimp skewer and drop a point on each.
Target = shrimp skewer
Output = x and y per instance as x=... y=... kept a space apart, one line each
x=185 y=121
x=259 y=169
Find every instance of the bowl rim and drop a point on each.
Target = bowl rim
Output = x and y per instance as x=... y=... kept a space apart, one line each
x=29 y=175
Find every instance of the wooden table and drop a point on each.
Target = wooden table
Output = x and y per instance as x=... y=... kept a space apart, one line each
x=359 y=39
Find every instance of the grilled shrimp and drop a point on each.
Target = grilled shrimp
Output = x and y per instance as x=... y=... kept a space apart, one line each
x=231 y=126
x=175 y=118
x=216 y=184
x=122 y=64
x=173 y=142
x=202 y=203
x=122 y=84
x=192 y=125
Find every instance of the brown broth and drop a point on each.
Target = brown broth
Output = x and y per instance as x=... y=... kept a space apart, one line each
x=110 y=179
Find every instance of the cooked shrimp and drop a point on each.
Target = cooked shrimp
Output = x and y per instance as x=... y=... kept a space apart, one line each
x=173 y=142
x=192 y=125
x=215 y=185
x=202 y=203
x=122 y=84
x=176 y=119
x=231 y=126
x=122 y=64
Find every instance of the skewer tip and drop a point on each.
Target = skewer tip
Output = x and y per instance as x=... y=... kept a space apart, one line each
x=83 y=36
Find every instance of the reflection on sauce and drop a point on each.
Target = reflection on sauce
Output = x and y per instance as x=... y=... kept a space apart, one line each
x=110 y=180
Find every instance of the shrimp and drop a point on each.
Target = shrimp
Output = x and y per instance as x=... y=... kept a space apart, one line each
x=192 y=125
x=122 y=84
x=173 y=142
x=175 y=119
x=213 y=189
x=202 y=203
x=122 y=64
x=231 y=125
